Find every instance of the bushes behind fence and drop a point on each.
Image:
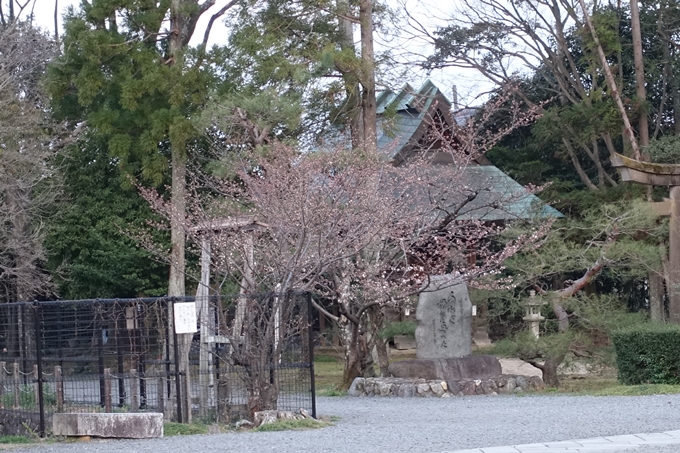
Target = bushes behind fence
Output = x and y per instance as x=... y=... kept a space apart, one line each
x=649 y=354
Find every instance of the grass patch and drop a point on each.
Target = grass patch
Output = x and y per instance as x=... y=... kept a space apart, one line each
x=294 y=425
x=606 y=384
x=587 y=384
x=330 y=391
x=638 y=390
x=15 y=440
x=182 y=429
x=328 y=374
x=325 y=359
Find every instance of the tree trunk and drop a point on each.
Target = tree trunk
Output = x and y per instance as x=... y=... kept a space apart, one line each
x=550 y=370
x=379 y=344
x=643 y=124
x=349 y=335
x=179 y=26
x=383 y=358
x=176 y=285
x=368 y=101
x=352 y=88
x=675 y=88
x=656 y=293
x=562 y=316
x=577 y=165
x=247 y=286
x=614 y=91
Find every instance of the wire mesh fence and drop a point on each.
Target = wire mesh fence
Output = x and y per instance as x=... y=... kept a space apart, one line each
x=239 y=355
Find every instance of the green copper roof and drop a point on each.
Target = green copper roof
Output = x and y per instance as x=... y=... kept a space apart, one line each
x=500 y=197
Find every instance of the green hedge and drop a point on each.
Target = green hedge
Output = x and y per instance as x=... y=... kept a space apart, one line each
x=648 y=354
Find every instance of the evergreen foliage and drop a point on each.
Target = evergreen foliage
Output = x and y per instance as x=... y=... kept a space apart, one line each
x=648 y=354
x=90 y=251
x=398 y=328
x=118 y=78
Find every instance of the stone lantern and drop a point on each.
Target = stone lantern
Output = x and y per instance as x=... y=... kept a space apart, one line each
x=532 y=310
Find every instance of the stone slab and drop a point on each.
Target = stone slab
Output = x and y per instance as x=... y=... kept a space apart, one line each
x=124 y=425
x=402 y=342
x=471 y=367
x=444 y=320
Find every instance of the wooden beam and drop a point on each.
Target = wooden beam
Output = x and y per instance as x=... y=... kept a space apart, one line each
x=646 y=172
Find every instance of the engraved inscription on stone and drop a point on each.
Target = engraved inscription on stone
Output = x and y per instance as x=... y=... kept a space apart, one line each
x=444 y=316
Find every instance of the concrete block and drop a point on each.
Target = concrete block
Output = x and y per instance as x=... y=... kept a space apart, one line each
x=122 y=425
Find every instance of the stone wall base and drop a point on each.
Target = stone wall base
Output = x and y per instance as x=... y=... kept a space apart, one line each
x=139 y=425
x=406 y=388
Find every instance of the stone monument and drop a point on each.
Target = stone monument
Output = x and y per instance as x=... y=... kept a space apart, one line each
x=444 y=336
x=444 y=317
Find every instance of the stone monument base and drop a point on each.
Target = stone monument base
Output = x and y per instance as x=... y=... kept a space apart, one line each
x=130 y=425
x=470 y=367
x=405 y=388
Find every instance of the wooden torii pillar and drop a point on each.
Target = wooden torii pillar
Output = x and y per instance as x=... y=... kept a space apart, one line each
x=208 y=330
x=652 y=174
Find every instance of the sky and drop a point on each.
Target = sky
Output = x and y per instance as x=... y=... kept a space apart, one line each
x=404 y=42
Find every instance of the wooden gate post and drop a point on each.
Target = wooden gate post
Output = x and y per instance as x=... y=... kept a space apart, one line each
x=134 y=390
x=108 y=406
x=59 y=384
x=17 y=387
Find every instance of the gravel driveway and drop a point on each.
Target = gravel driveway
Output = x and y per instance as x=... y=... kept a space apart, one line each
x=401 y=425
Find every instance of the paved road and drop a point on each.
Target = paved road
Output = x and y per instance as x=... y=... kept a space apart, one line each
x=666 y=441
x=433 y=425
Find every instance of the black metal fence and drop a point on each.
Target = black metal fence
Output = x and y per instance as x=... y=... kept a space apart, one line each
x=127 y=355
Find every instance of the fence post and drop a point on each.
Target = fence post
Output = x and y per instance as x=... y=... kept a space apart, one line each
x=36 y=390
x=161 y=395
x=38 y=368
x=310 y=334
x=17 y=388
x=59 y=384
x=178 y=383
x=3 y=378
x=121 y=367
x=134 y=390
x=107 y=390
x=102 y=369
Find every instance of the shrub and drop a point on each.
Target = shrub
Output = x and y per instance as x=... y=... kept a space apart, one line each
x=648 y=354
x=398 y=328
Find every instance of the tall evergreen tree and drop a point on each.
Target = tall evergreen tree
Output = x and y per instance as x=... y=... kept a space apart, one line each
x=127 y=69
x=88 y=248
x=129 y=72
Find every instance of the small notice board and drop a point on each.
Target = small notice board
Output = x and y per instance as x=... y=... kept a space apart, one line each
x=185 y=317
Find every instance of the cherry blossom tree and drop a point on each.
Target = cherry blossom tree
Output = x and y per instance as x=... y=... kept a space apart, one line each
x=348 y=226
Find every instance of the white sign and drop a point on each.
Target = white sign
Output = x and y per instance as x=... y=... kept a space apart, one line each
x=130 y=319
x=185 y=317
x=474 y=310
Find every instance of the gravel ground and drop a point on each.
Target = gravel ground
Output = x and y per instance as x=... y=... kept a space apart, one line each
x=428 y=425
